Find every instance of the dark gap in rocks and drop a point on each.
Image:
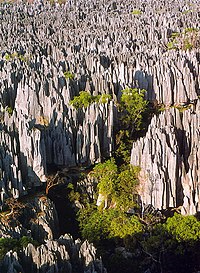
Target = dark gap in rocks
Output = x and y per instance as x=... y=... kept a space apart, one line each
x=66 y=213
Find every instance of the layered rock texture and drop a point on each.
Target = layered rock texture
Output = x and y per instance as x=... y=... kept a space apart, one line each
x=51 y=52
x=169 y=160
x=57 y=256
x=38 y=220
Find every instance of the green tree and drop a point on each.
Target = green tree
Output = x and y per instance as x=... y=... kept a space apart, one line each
x=83 y=100
x=183 y=228
x=111 y=223
x=122 y=225
x=125 y=189
x=7 y=244
x=106 y=174
x=133 y=105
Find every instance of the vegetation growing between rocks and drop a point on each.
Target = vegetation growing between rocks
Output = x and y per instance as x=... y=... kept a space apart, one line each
x=186 y=40
x=7 y=244
x=84 y=99
x=112 y=219
x=109 y=219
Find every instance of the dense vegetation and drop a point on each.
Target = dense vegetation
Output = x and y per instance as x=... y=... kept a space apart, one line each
x=128 y=240
x=109 y=219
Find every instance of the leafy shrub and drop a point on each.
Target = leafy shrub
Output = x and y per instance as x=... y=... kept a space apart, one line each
x=133 y=105
x=7 y=244
x=97 y=225
x=69 y=75
x=106 y=174
x=118 y=186
x=84 y=99
x=183 y=228
x=9 y=110
x=136 y=12
x=187 y=40
x=104 y=98
x=15 y=55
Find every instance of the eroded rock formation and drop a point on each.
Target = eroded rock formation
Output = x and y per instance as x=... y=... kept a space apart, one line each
x=168 y=156
x=39 y=220
x=104 y=47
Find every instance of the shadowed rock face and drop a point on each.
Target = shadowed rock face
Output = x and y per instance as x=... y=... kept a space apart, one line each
x=105 y=47
x=38 y=219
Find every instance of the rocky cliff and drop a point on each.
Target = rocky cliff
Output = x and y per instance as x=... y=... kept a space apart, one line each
x=168 y=156
x=38 y=219
x=51 y=52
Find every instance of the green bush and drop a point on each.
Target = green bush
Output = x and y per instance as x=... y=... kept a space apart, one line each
x=183 y=228
x=133 y=105
x=69 y=75
x=9 y=110
x=97 y=225
x=84 y=99
x=7 y=244
x=106 y=174
x=186 y=40
x=136 y=12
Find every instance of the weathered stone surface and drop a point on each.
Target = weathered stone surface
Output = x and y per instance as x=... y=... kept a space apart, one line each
x=106 y=48
x=37 y=219
x=58 y=256
x=169 y=156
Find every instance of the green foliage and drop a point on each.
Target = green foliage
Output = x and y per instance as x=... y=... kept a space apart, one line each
x=136 y=12
x=25 y=240
x=104 y=98
x=191 y=29
x=183 y=108
x=7 y=244
x=119 y=187
x=186 y=40
x=171 y=45
x=93 y=224
x=126 y=188
x=97 y=225
x=187 y=11
x=183 y=228
x=122 y=225
x=9 y=57
x=72 y=195
x=9 y=110
x=69 y=75
x=84 y=99
x=106 y=174
x=133 y=105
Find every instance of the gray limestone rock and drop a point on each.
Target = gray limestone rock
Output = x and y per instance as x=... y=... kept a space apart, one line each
x=104 y=47
x=56 y=256
x=168 y=156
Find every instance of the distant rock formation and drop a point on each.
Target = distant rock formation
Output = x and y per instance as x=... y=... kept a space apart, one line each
x=103 y=47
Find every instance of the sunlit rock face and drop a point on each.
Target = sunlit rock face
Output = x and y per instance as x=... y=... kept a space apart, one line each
x=104 y=47
x=169 y=158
